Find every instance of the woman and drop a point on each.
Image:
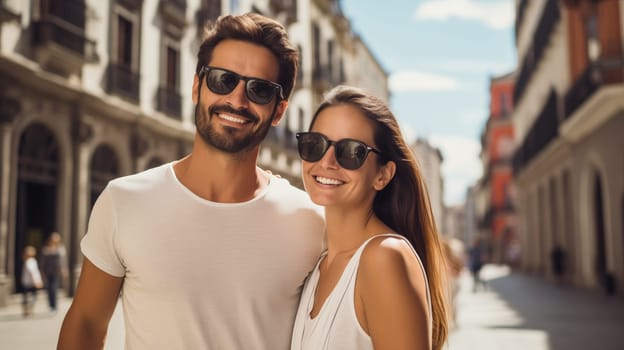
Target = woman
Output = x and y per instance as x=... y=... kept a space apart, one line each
x=370 y=289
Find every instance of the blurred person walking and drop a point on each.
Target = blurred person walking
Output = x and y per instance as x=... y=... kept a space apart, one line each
x=53 y=267
x=31 y=280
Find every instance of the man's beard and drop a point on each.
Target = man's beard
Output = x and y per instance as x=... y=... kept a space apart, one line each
x=228 y=141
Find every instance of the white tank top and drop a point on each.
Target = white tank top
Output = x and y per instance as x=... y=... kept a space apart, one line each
x=336 y=325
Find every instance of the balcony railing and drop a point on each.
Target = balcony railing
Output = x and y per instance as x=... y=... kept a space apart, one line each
x=52 y=29
x=324 y=78
x=285 y=7
x=6 y=13
x=71 y=11
x=602 y=72
x=544 y=130
x=521 y=10
x=122 y=80
x=169 y=101
x=546 y=25
x=174 y=11
x=207 y=13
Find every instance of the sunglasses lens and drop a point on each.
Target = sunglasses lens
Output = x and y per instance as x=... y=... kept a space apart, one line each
x=311 y=147
x=350 y=154
x=221 y=82
x=259 y=91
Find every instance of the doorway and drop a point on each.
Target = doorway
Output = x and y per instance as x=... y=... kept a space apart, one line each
x=37 y=187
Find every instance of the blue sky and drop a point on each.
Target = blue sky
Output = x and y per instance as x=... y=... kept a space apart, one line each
x=440 y=55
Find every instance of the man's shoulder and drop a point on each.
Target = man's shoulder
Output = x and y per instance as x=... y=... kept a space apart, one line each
x=283 y=189
x=145 y=180
x=290 y=196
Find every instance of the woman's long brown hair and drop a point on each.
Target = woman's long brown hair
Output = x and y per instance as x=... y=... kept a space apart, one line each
x=403 y=204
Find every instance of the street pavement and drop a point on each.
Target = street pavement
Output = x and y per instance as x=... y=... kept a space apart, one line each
x=40 y=331
x=517 y=312
x=514 y=312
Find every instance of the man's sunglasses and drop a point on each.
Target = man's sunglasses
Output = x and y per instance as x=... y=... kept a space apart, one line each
x=222 y=81
x=350 y=154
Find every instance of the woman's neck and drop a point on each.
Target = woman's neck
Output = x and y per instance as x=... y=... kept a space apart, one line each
x=347 y=229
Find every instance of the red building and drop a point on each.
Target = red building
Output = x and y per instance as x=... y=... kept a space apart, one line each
x=497 y=146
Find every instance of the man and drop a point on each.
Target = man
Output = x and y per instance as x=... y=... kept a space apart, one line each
x=211 y=251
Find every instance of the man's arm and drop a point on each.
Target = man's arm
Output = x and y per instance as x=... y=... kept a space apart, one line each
x=86 y=322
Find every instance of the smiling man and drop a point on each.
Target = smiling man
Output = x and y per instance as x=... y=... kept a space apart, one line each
x=210 y=251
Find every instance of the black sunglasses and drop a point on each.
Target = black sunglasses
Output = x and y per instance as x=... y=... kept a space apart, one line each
x=350 y=154
x=222 y=81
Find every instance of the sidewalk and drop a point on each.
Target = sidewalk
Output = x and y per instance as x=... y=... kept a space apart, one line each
x=516 y=312
x=521 y=312
x=41 y=330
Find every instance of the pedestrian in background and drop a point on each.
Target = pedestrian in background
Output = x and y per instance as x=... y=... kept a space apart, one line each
x=455 y=260
x=557 y=258
x=54 y=267
x=31 y=280
x=476 y=258
x=380 y=283
x=211 y=250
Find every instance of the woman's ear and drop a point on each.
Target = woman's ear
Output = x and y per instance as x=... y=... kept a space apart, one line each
x=385 y=175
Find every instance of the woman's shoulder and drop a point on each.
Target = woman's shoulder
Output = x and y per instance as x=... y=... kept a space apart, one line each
x=388 y=258
x=388 y=249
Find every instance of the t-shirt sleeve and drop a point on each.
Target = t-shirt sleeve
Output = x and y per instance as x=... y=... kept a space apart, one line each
x=99 y=244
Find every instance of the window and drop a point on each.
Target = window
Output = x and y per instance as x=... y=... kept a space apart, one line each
x=593 y=43
x=316 y=44
x=123 y=68
x=125 y=36
x=172 y=68
x=124 y=41
x=168 y=97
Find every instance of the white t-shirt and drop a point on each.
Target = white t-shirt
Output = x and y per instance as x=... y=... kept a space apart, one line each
x=204 y=275
x=31 y=277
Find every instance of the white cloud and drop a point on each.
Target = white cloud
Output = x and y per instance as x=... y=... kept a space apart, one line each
x=461 y=166
x=495 y=14
x=409 y=80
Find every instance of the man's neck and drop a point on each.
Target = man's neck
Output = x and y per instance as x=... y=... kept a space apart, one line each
x=221 y=177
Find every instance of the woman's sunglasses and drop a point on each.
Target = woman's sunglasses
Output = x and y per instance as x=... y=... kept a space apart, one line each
x=222 y=81
x=350 y=154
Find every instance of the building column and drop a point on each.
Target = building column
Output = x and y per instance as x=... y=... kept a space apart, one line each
x=82 y=134
x=10 y=107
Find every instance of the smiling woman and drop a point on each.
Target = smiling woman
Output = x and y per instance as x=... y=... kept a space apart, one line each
x=379 y=283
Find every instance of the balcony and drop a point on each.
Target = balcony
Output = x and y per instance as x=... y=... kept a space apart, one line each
x=123 y=81
x=206 y=14
x=544 y=130
x=521 y=10
x=173 y=11
x=169 y=101
x=59 y=37
x=541 y=38
x=601 y=73
x=6 y=13
x=285 y=10
x=323 y=78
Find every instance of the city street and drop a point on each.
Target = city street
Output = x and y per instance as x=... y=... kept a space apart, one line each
x=515 y=312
